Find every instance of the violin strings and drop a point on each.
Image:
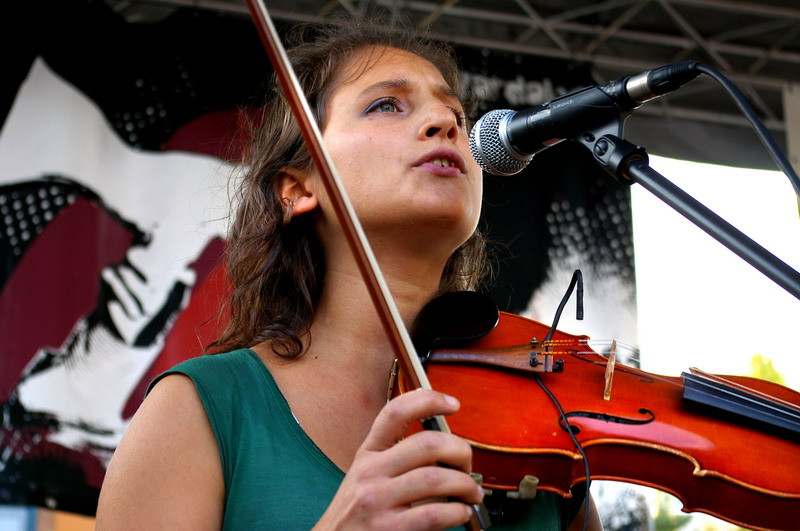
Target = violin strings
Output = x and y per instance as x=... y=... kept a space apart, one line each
x=565 y=348
x=625 y=356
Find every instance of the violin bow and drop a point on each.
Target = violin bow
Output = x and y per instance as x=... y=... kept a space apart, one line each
x=343 y=209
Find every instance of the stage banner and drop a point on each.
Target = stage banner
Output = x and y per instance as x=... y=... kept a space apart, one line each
x=561 y=213
x=118 y=143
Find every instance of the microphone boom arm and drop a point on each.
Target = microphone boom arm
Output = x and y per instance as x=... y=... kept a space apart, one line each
x=629 y=164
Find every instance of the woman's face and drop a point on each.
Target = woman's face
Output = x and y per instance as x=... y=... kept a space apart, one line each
x=397 y=136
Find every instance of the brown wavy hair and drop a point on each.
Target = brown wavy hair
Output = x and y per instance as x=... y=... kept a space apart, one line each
x=275 y=263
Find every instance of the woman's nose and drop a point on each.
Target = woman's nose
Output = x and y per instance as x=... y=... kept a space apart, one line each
x=441 y=120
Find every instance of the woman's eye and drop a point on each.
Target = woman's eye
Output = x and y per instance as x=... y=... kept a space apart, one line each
x=461 y=120
x=384 y=105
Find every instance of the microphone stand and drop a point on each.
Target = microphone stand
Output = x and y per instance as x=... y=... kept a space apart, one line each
x=628 y=164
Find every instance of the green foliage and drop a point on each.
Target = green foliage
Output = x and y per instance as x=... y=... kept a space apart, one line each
x=665 y=519
x=761 y=367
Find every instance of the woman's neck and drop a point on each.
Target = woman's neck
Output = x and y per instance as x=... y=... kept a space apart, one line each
x=346 y=329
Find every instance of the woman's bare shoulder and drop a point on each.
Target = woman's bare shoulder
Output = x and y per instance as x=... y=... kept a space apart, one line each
x=166 y=471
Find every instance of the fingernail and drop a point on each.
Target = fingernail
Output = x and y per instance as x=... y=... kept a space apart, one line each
x=453 y=401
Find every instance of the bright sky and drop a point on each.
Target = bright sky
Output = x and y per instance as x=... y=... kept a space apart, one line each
x=698 y=303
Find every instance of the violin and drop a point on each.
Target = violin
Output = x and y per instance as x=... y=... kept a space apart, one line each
x=727 y=446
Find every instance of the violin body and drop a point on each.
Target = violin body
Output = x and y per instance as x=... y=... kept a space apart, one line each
x=644 y=433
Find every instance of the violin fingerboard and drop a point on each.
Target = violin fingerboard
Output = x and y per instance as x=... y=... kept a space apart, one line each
x=744 y=406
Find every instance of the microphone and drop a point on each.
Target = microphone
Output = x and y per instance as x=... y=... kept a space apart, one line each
x=503 y=141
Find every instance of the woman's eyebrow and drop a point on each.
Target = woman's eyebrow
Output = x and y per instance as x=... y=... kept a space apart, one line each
x=404 y=84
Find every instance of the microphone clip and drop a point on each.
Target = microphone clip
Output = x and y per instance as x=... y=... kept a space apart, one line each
x=613 y=153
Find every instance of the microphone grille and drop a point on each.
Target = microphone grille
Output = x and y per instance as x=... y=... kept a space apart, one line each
x=490 y=148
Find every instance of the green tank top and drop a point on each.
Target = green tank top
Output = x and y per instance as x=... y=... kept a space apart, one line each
x=275 y=476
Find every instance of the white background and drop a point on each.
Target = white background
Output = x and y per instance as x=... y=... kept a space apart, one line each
x=698 y=303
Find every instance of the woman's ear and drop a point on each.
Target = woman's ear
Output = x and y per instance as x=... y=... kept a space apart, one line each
x=294 y=192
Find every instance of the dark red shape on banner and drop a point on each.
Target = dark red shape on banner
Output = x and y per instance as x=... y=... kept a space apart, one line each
x=55 y=283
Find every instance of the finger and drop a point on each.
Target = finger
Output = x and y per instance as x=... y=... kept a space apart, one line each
x=119 y=316
x=150 y=293
x=128 y=301
x=394 y=419
x=427 y=448
x=433 y=482
x=435 y=515
x=134 y=281
x=122 y=321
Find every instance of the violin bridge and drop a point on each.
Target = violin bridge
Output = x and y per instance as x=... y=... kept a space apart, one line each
x=609 y=375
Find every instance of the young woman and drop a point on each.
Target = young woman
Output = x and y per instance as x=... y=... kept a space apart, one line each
x=291 y=428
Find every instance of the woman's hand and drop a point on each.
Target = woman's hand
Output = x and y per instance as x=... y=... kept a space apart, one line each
x=396 y=483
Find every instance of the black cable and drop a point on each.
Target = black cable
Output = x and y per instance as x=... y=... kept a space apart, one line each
x=577 y=445
x=577 y=278
x=758 y=127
